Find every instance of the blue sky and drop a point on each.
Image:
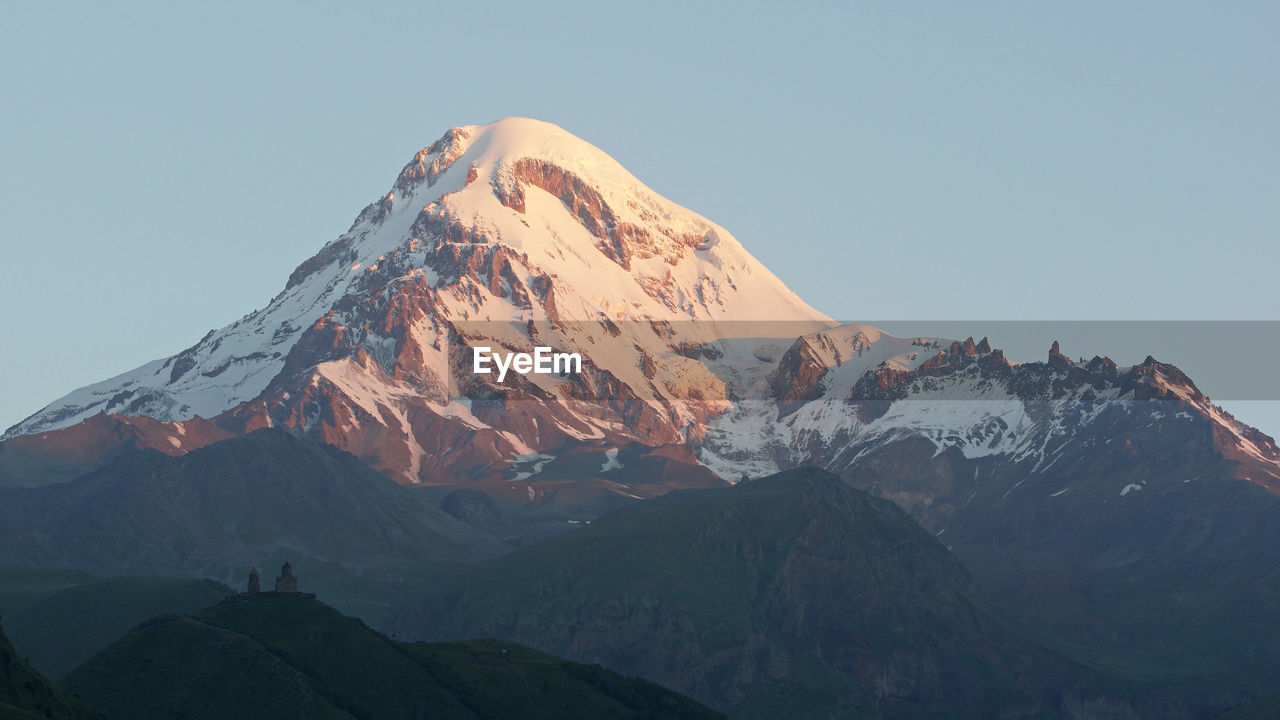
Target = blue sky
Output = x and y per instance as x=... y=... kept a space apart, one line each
x=166 y=165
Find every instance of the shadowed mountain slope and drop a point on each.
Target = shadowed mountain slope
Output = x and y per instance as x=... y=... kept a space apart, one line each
x=293 y=657
x=59 y=619
x=26 y=695
x=260 y=499
x=794 y=593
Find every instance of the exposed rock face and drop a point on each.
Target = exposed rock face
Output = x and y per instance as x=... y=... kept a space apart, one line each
x=60 y=455
x=835 y=400
x=619 y=240
x=798 y=376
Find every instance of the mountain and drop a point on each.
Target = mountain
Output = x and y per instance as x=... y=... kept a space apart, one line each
x=48 y=458
x=1114 y=507
x=842 y=394
x=696 y=358
x=509 y=235
x=293 y=657
x=26 y=695
x=59 y=619
x=259 y=499
x=794 y=595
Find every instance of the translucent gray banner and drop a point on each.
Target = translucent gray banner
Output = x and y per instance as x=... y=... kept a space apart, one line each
x=1227 y=360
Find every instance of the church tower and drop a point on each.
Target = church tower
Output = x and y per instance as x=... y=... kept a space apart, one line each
x=286 y=583
x=253 y=582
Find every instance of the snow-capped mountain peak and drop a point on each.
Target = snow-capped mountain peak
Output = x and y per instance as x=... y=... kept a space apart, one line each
x=514 y=221
x=517 y=234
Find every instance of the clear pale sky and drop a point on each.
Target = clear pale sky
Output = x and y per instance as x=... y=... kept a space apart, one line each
x=166 y=165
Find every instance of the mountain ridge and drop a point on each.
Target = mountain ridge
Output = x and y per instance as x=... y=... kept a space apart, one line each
x=1059 y=483
x=516 y=234
x=775 y=595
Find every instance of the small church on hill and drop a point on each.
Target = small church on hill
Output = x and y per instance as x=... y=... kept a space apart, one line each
x=286 y=584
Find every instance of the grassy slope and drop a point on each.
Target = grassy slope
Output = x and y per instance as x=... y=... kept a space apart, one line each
x=173 y=666
x=25 y=693
x=288 y=657
x=59 y=619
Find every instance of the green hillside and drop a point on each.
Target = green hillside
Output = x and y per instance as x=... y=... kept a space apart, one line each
x=25 y=694
x=58 y=619
x=292 y=657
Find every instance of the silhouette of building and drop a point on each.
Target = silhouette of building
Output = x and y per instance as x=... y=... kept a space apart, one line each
x=286 y=584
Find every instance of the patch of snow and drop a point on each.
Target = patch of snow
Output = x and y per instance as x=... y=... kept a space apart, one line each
x=611 y=460
x=535 y=459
